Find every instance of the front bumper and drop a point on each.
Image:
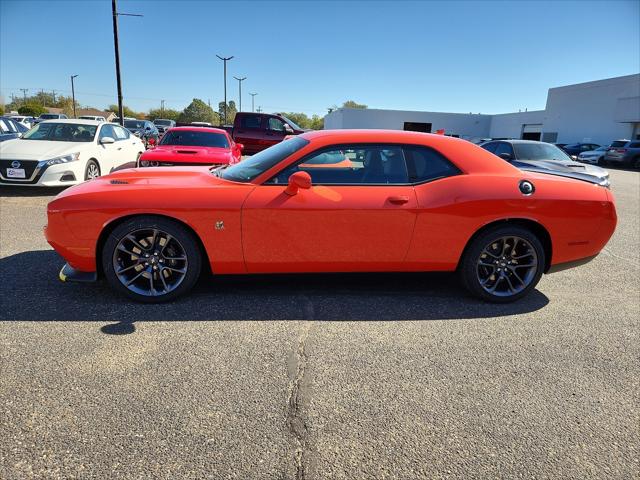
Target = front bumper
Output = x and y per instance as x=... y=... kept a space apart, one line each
x=70 y=274
x=61 y=175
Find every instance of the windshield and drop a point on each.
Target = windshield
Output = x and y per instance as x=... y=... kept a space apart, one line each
x=162 y=122
x=601 y=149
x=195 y=139
x=292 y=123
x=618 y=143
x=49 y=115
x=62 y=132
x=248 y=169
x=539 y=151
x=133 y=124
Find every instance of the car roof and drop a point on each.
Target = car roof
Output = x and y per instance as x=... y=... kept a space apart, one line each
x=196 y=128
x=523 y=141
x=77 y=121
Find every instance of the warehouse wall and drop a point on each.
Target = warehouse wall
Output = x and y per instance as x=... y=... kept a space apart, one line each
x=510 y=125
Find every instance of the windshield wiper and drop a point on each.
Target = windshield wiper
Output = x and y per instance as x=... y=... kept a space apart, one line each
x=216 y=171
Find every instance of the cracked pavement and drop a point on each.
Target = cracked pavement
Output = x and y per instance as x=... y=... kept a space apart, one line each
x=317 y=377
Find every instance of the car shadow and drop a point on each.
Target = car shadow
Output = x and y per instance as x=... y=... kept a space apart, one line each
x=32 y=291
x=17 y=191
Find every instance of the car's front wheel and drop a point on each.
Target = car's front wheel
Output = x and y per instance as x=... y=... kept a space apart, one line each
x=151 y=259
x=502 y=264
x=92 y=170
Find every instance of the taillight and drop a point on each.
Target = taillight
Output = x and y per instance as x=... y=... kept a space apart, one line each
x=621 y=150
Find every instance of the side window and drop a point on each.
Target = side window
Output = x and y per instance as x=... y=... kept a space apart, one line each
x=107 y=131
x=504 y=148
x=251 y=121
x=424 y=164
x=3 y=127
x=276 y=124
x=120 y=133
x=634 y=145
x=351 y=165
x=490 y=147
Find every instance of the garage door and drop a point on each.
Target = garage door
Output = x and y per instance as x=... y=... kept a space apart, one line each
x=531 y=131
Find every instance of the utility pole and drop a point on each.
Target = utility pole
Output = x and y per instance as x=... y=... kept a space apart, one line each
x=259 y=109
x=162 y=108
x=114 y=12
x=253 y=97
x=240 y=80
x=53 y=93
x=24 y=93
x=73 y=95
x=225 y=60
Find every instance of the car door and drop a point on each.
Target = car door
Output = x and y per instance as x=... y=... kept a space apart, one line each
x=358 y=214
x=109 y=153
x=128 y=147
x=275 y=131
x=250 y=132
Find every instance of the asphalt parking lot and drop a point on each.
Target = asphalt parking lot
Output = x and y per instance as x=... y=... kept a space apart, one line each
x=317 y=377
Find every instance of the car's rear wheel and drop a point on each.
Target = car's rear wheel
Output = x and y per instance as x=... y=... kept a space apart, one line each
x=92 y=170
x=151 y=259
x=502 y=264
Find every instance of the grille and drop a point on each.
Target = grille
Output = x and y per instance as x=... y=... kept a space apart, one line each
x=28 y=165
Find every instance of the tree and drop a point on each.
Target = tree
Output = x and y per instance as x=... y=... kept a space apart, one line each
x=317 y=122
x=126 y=110
x=1 y=109
x=231 y=111
x=198 y=111
x=352 y=104
x=300 y=118
x=31 y=110
x=167 y=113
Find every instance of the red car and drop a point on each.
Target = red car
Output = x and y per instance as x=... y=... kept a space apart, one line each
x=193 y=146
x=404 y=201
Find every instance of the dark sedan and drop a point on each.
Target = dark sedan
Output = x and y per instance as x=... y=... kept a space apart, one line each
x=578 y=148
x=144 y=129
x=541 y=156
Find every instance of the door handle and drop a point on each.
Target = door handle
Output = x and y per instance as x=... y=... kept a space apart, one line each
x=119 y=148
x=398 y=199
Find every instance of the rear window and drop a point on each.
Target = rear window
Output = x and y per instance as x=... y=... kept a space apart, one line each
x=618 y=144
x=250 y=121
x=424 y=164
x=635 y=145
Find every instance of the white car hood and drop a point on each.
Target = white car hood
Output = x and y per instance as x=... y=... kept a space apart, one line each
x=20 y=149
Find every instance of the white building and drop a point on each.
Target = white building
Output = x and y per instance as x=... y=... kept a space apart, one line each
x=598 y=112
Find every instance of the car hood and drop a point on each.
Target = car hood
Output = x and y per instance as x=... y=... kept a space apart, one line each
x=564 y=167
x=22 y=149
x=178 y=153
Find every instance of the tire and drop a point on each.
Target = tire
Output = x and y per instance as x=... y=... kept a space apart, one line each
x=91 y=169
x=162 y=271
x=600 y=161
x=513 y=279
x=635 y=162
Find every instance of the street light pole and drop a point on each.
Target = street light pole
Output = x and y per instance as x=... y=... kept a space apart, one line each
x=253 y=97
x=114 y=12
x=73 y=95
x=225 y=59
x=240 y=80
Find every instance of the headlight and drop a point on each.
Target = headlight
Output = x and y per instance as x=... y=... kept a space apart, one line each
x=63 y=159
x=137 y=134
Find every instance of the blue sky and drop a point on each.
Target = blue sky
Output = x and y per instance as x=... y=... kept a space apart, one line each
x=487 y=57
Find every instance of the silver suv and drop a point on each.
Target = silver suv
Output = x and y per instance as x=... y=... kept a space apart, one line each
x=624 y=152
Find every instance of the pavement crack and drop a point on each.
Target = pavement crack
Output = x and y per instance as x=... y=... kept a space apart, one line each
x=296 y=422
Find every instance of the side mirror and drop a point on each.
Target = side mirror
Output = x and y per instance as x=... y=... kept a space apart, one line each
x=288 y=129
x=297 y=181
x=574 y=157
x=107 y=140
x=148 y=128
x=506 y=156
x=240 y=146
x=151 y=141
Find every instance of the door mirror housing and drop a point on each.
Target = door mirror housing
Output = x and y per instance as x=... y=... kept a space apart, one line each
x=506 y=156
x=288 y=129
x=240 y=146
x=107 y=140
x=297 y=181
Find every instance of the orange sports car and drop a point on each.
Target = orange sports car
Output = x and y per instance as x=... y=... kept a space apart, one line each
x=382 y=201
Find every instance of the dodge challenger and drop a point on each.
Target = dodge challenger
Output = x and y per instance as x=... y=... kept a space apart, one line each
x=381 y=201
